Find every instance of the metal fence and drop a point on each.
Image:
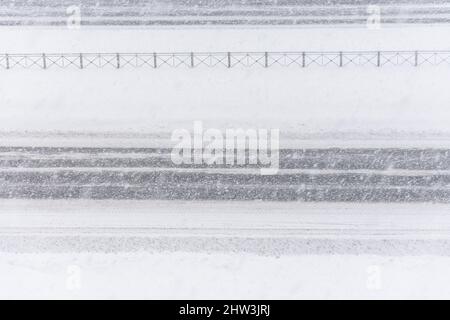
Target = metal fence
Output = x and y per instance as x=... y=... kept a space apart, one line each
x=224 y=59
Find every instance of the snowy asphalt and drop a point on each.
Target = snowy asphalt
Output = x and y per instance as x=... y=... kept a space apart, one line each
x=372 y=175
x=230 y=12
x=259 y=227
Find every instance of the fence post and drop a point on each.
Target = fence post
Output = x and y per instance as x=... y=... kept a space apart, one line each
x=229 y=59
x=303 y=59
x=155 y=61
x=378 y=59
x=44 y=61
x=118 y=60
x=7 y=60
x=341 y=62
x=192 y=60
x=416 y=59
x=81 y=61
x=266 y=59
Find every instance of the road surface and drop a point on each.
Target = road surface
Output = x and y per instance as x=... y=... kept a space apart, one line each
x=311 y=175
x=209 y=226
x=230 y=12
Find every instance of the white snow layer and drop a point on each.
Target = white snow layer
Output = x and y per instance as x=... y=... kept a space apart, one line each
x=219 y=276
x=198 y=259
x=330 y=99
x=310 y=100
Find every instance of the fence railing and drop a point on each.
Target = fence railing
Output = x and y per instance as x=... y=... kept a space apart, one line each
x=224 y=59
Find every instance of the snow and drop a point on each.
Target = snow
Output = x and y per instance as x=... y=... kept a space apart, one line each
x=179 y=270
x=218 y=276
x=220 y=216
x=223 y=12
x=289 y=139
x=223 y=39
x=227 y=250
x=317 y=100
x=267 y=228
x=223 y=250
x=296 y=100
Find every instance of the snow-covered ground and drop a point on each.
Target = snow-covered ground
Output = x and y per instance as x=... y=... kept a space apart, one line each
x=223 y=250
x=223 y=39
x=355 y=99
x=115 y=249
x=291 y=99
x=225 y=219
x=222 y=276
x=213 y=226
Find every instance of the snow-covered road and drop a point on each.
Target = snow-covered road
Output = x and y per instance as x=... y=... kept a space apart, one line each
x=70 y=137
x=223 y=250
x=256 y=227
x=222 y=276
x=330 y=174
x=242 y=12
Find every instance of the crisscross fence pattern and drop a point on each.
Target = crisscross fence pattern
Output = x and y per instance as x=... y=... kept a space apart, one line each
x=302 y=59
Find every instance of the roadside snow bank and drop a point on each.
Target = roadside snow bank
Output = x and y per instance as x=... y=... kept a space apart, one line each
x=218 y=276
x=187 y=39
x=360 y=99
x=292 y=99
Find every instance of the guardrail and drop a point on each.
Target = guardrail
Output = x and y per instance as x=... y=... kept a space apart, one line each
x=301 y=59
